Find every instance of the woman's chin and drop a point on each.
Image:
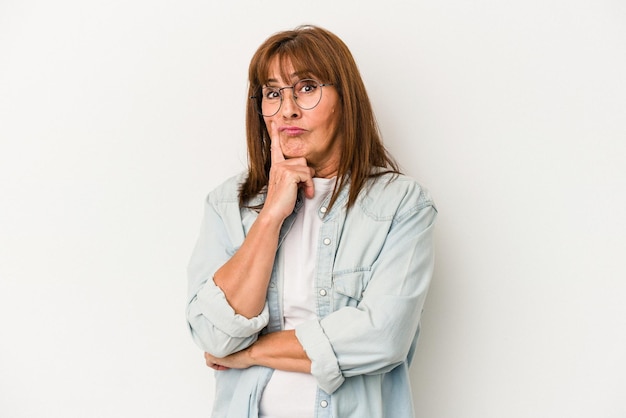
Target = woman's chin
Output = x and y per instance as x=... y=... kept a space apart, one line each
x=294 y=152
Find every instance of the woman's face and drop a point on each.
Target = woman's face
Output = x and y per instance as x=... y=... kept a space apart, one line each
x=307 y=133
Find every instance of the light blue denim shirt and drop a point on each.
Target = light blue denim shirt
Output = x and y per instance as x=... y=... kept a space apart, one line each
x=373 y=269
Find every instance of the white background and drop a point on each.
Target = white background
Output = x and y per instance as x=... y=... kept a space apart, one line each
x=117 y=117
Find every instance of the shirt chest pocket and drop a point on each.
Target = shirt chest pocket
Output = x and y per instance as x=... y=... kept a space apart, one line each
x=348 y=288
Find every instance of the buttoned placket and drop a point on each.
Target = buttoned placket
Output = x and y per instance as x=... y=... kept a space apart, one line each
x=328 y=242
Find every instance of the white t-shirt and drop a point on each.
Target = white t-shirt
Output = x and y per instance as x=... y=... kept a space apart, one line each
x=290 y=394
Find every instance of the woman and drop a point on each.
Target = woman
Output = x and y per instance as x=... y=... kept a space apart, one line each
x=310 y=273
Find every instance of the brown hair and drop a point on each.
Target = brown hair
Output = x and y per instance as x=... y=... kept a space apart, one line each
x=316 y=52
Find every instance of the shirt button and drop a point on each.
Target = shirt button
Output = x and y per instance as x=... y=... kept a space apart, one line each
x=326 y=241
x=323 y=209
x=324 y=404
x=322 y=292
x=272 y=284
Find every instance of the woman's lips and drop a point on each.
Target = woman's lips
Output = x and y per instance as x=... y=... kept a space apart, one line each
x=291 y=130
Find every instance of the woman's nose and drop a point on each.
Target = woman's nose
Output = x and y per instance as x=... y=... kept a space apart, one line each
x=290 y=109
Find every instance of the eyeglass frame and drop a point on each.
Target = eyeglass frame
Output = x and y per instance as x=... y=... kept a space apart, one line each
x=259 y=99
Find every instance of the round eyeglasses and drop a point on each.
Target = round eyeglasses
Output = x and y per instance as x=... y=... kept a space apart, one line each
x=307 y=94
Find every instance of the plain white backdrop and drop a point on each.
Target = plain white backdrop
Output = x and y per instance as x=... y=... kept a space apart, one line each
x=117 y=117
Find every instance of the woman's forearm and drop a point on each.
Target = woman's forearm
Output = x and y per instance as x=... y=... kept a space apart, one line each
x=244 y=278
x=282 y=351
x=279 y=350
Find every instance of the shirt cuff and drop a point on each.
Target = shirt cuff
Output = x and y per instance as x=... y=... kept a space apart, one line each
x=324 y=366
x=216 y=308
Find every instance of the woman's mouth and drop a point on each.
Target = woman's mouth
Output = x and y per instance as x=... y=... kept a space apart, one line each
x=291 y=130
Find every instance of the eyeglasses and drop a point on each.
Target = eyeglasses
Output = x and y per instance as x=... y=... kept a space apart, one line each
x=307 y=94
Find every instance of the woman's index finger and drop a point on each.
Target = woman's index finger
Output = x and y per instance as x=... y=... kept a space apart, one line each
x=275 y=147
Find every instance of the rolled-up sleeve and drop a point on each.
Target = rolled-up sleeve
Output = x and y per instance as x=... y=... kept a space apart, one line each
x=376 y=334
x=324 y=364
x=214 y=325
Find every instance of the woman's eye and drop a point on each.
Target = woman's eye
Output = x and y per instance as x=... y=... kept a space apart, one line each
x=271 y=94
x=307 y=87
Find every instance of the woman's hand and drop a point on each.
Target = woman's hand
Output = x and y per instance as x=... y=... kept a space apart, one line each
x=239 y=360
x=286 y=177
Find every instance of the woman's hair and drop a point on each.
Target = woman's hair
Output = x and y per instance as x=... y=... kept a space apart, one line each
x=317 y=53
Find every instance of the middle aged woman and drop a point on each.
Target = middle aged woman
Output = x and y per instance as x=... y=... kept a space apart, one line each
x=311 y=269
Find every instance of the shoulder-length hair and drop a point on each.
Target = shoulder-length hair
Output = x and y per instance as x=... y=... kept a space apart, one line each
x=318 y=53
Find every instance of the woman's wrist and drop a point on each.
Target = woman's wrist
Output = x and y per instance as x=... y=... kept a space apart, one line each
x=268 y=220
